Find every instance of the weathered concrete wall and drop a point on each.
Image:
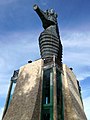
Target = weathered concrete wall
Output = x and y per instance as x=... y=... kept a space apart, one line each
x=73 y=108
x=26 y=102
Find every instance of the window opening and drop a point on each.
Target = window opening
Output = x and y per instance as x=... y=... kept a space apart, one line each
x=46 y=87
x=47 y=104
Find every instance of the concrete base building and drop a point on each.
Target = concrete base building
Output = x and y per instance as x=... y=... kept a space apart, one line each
x=44 y=92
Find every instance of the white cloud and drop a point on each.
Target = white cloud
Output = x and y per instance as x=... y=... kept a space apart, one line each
x=76 y=39
x=17 y=46
x=4 y=89
x=86 y=102
x=77 y=51
x=1 y=112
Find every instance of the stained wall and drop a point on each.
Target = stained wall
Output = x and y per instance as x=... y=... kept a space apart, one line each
x=73 y=106
x=25 y=104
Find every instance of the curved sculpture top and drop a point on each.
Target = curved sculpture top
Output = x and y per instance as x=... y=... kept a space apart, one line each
x=49 y=40
x=48 y=17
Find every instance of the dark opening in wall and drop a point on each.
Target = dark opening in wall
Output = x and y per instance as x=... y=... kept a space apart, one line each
x=46 y=87
x=46 y=115
x=47 y=95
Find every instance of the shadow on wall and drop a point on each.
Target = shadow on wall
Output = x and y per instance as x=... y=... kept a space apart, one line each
x=73 y=104
x=76 y=101
x=78 y=111
x=72 y=83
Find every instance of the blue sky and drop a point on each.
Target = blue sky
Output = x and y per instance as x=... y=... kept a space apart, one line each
x=19 y=31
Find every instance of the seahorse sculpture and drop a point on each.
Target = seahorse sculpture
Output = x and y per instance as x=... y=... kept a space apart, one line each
x=49 y=39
